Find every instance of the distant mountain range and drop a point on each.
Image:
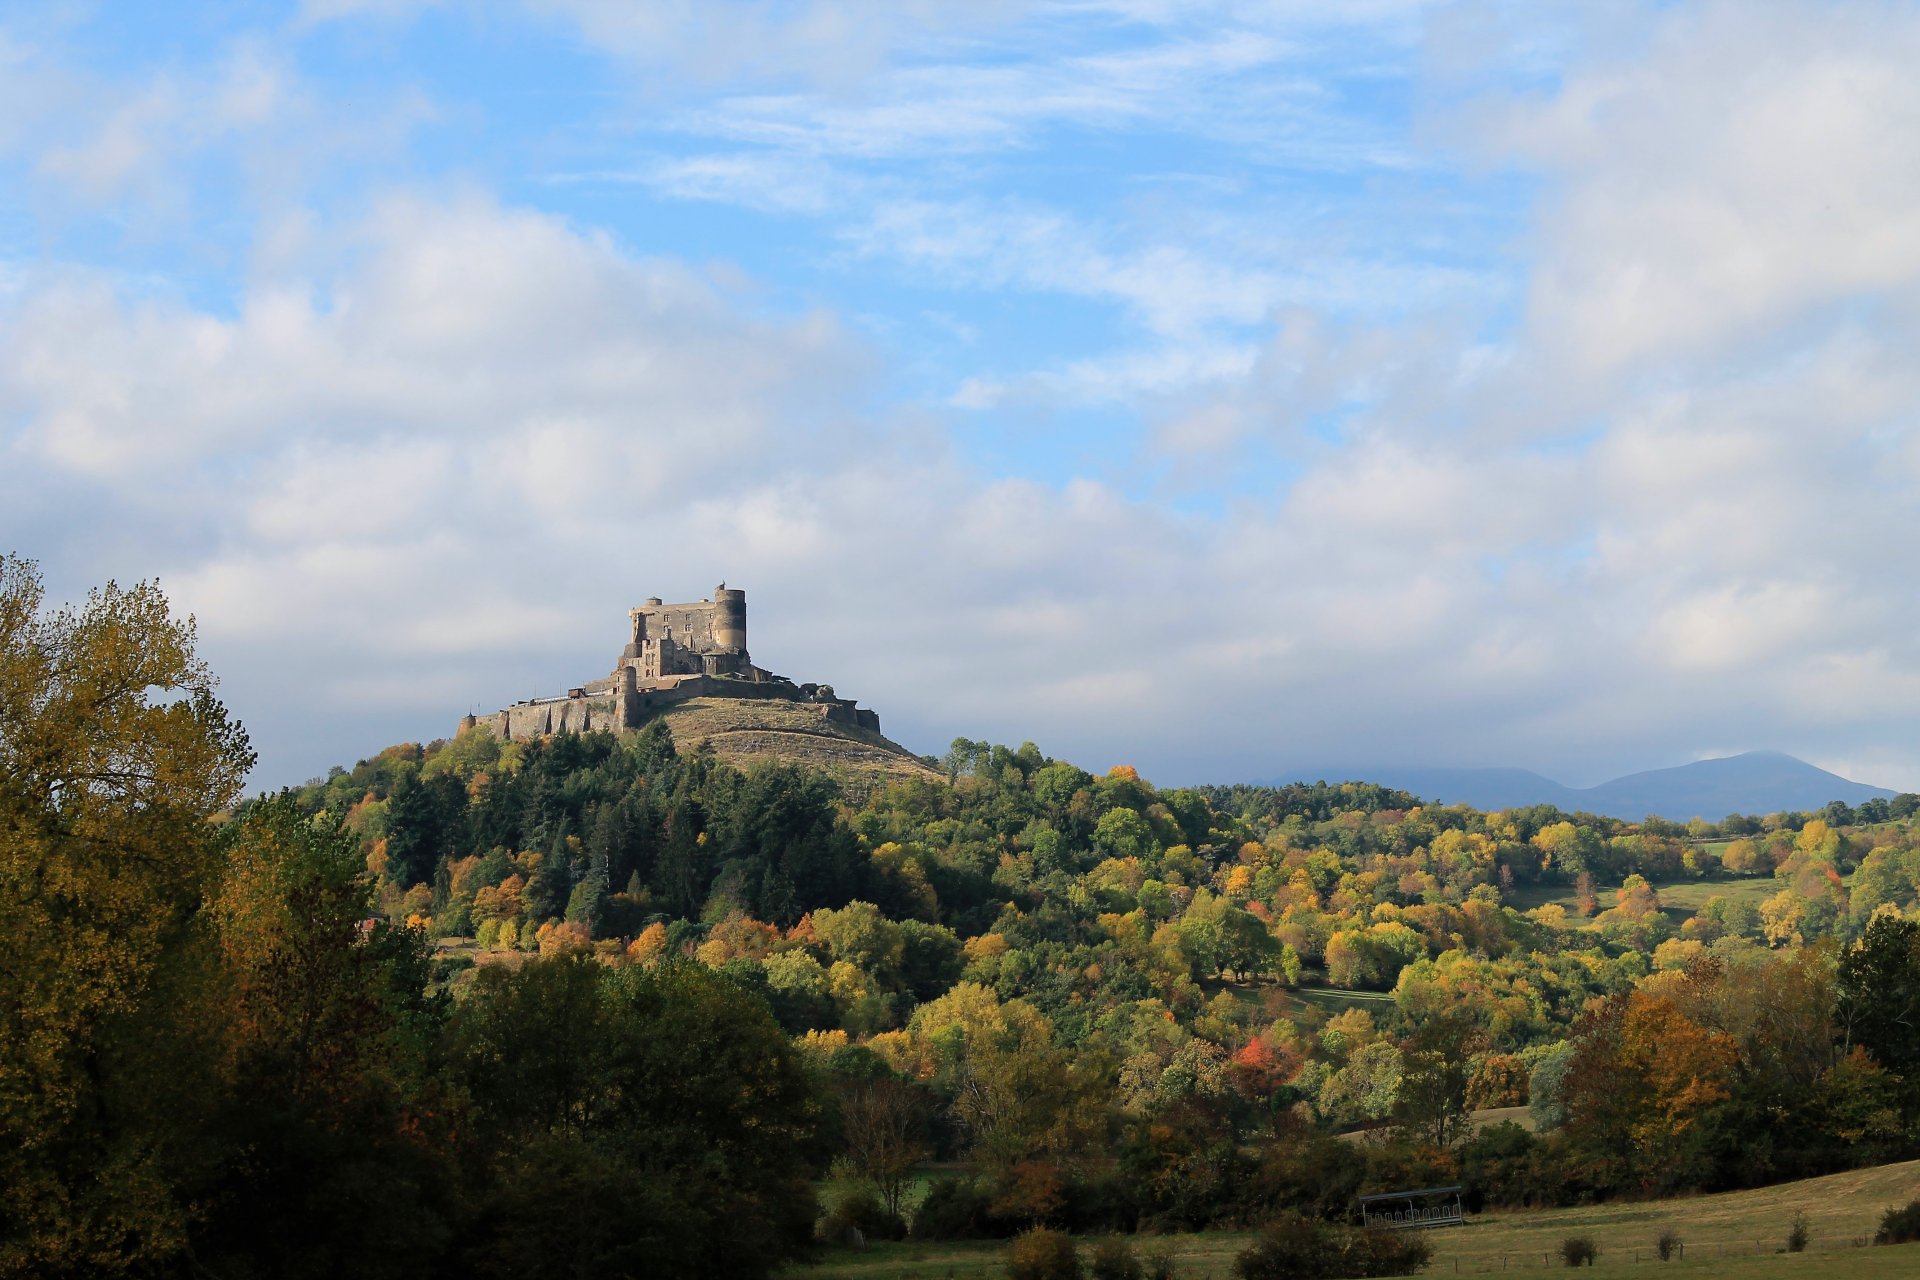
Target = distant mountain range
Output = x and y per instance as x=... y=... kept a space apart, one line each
x=1757 y=782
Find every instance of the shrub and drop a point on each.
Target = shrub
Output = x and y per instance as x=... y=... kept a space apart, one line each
x=859 y=1209
x=959 y=1209
x=1318 y=1175
x=1096 y=1205
x=1498 y=1166
x=1668 y=1244
x=1113 y=1259
x=1292 y=1248
x=445 y=968
x=1899 y=1226
x=1797 y=1234
x=1387 y=1253
x=1579 y=1250
x=1297 y=1248
x=1041 y=1254
x=1160 y=1261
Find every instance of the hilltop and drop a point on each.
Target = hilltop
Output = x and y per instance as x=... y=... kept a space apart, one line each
x=686 y=666
x=742 y=732
x=697 y=652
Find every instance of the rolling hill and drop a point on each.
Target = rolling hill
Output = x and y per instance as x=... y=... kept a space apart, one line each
x=1756 y=782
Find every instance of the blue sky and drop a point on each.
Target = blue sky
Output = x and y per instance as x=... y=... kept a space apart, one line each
x=1224 y=387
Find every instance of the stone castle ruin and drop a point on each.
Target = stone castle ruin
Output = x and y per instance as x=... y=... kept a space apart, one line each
x=674 y=652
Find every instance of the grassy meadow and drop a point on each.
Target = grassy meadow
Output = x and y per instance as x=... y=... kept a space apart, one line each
x=1732 y=1234
x=1680 y=899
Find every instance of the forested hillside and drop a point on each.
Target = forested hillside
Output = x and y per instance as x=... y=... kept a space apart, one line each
x=1124 y=1005
x=594 y=1006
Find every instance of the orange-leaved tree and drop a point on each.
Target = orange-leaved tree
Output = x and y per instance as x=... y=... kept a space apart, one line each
x=1641 y=1076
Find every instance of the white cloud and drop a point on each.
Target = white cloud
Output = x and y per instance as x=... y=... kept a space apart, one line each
x=482 y=414
x=959 y=108
x=1120 y=378
x=313 y=12
x=827 y=42
x=768 y=183
x=427 y=458
x=436 y=476
x=130 y=140
x=484 y=327
x=1736 y=176
x=181 y=156
x=1174 y=285
x=891 y=160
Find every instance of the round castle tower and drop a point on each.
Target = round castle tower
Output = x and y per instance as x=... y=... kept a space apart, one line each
x=730 y=619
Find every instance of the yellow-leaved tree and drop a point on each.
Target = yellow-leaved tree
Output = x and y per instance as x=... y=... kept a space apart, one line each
x=114 y=755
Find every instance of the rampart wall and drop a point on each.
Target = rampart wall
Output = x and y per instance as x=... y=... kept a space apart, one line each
x=607 y=707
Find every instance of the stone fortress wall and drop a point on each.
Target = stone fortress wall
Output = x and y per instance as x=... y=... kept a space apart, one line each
x=674 y=652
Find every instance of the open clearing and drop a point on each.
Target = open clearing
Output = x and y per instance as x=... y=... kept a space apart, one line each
x=1340 y=999
x=1730 y=1235
x=1680 y=899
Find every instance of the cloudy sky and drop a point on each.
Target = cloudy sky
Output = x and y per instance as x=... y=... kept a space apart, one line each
x=1221 y=386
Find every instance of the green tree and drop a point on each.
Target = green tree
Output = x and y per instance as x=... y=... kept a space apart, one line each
x=422 y=824
x=1028 y=1107
x=931 y=959
x=590 y=903
x=1436 y=1068
x=1122 y=833
x=860 y=934
x=1882 y=877
x=638 y=1121
x=331 y=1162
x=1878 y=999
x=551 y=885
x=1365 y=1090
x=883 y=1126
x=1568 y=849
x=1219 y=937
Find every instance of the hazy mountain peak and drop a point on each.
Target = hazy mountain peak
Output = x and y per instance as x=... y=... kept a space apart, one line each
x=1755 y=782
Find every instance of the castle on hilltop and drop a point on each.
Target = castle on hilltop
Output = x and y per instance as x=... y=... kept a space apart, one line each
x=673 y=652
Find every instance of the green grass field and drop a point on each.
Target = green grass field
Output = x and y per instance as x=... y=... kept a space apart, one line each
x=1730 y=1235
x=1679 y=898
x=1328 y=1000
x=1339 y=999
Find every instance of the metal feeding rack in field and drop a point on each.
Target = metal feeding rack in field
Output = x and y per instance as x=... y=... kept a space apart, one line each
x=1408 y=1210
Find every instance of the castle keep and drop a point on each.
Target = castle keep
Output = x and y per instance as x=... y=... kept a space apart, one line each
x=673 y=652
x=705 y=639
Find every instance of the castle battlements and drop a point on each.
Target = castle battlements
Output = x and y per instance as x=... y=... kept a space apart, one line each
x=674 y=652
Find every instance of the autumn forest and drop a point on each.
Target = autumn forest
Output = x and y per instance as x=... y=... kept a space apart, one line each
x=597 y=1006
